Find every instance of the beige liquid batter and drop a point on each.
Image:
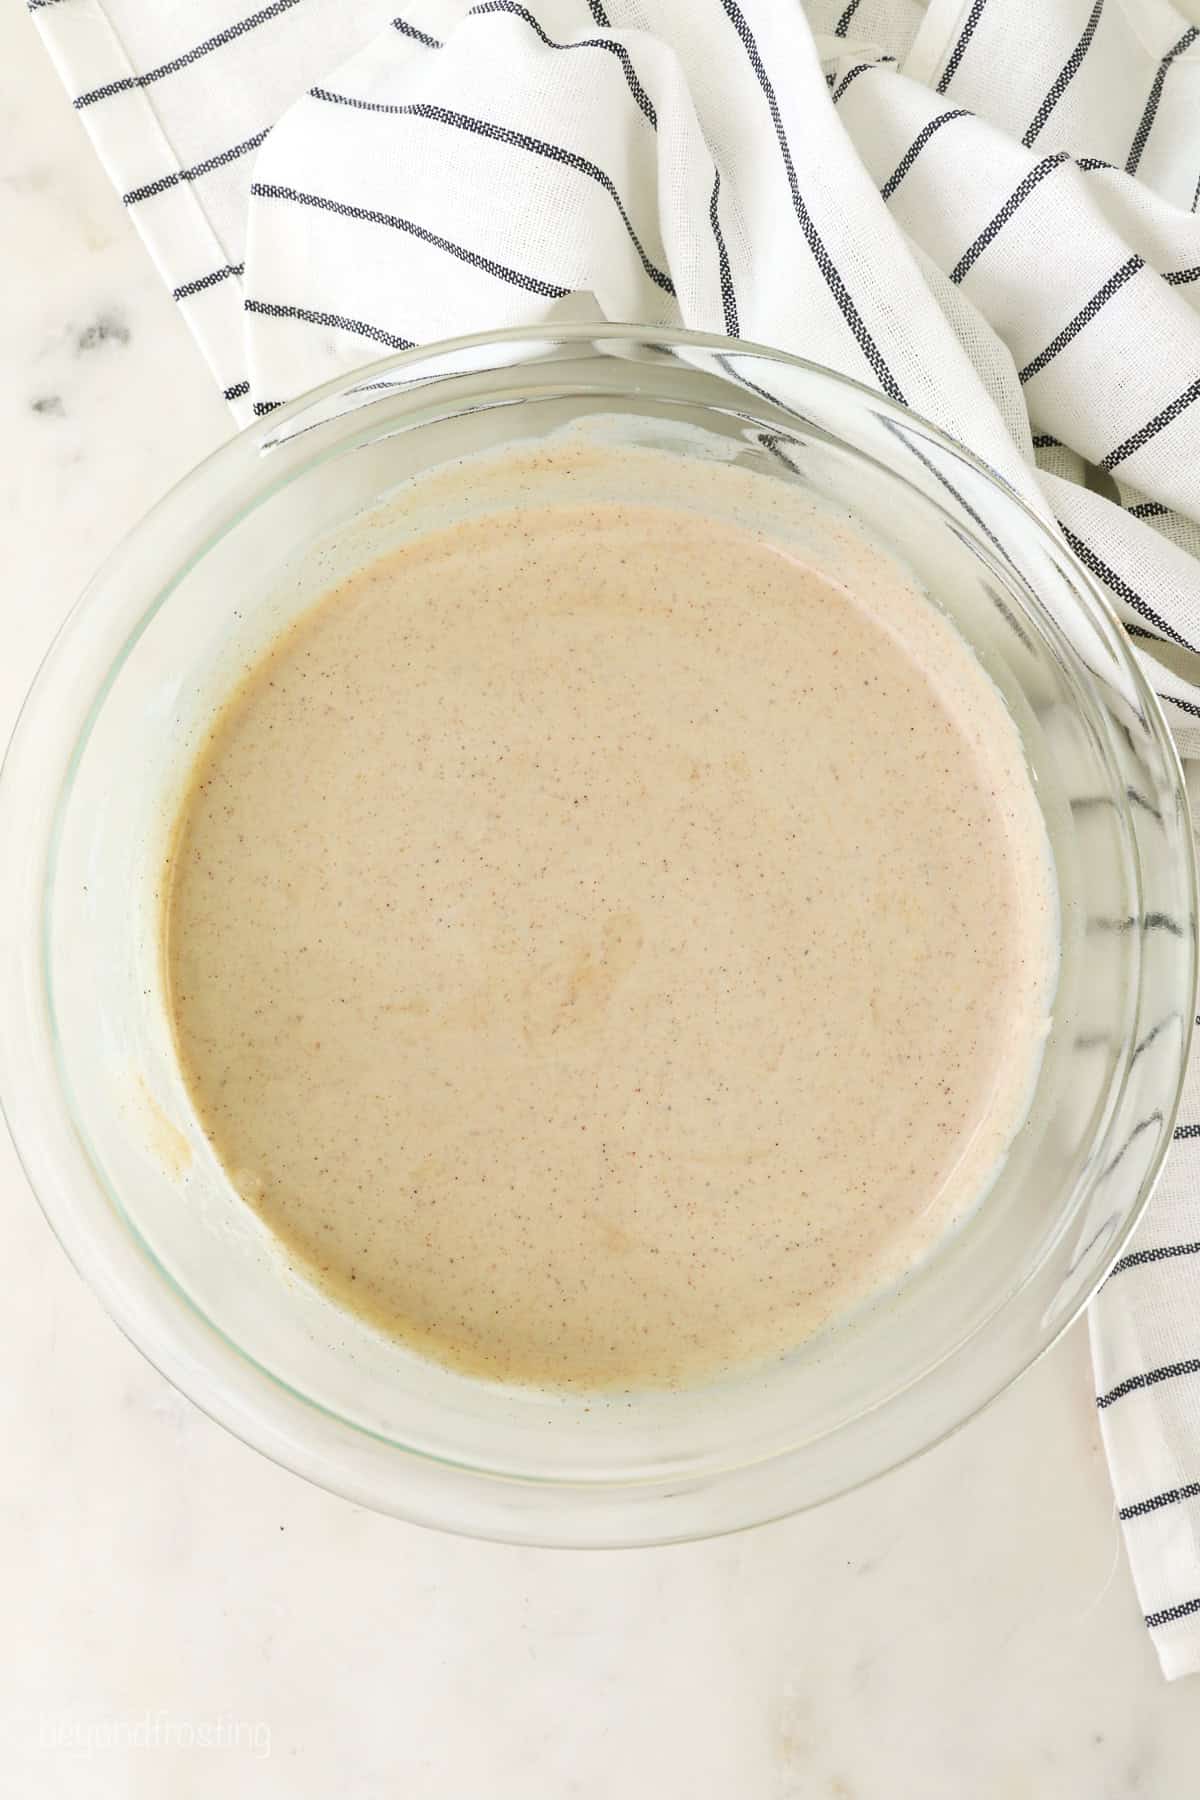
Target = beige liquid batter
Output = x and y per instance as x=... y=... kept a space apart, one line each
x=602 y=948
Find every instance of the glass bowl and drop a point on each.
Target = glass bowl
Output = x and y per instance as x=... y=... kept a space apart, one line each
x=104 y=1125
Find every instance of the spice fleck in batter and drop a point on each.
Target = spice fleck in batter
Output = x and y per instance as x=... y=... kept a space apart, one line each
x=604 y=948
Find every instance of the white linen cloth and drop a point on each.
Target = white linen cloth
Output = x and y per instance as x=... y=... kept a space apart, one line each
x=986 y=207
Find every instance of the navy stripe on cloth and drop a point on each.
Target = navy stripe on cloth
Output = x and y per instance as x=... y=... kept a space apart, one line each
x=959 y=50
x=149 y=189
x=1161 y=1253
x=1142 y=436
x=1150 y=1378
x=1146 y=122
x=728 y=297
x=201 y=282
x=1169 y=1614
x=1065 y=76
x=1121 y=587
x=332 y=321
x=518 y=140
x=915 y=148
x=1187 y=706
x=821 y=256
x=996 y=225
x=366 y=215
x=416 y=34
x=1155 y=1502
x=850 y=76
x=216 y=42
x=1084 y=317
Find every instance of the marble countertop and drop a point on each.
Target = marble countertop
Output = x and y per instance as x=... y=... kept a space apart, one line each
x=965 y=1627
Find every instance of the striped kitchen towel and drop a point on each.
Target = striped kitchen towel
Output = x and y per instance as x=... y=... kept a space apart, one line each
x=986 y=207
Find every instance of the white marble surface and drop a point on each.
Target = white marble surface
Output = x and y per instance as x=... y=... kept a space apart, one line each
x=965 y=1628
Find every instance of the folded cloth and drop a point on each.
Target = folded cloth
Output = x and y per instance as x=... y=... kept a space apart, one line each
x=985 y=207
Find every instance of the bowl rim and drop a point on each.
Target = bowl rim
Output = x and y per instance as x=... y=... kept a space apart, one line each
x=184 y=1353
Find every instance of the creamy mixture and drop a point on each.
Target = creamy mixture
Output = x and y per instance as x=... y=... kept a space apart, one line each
x=603 y=948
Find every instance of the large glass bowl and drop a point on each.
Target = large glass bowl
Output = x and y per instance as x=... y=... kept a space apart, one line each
x=101 y=1116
